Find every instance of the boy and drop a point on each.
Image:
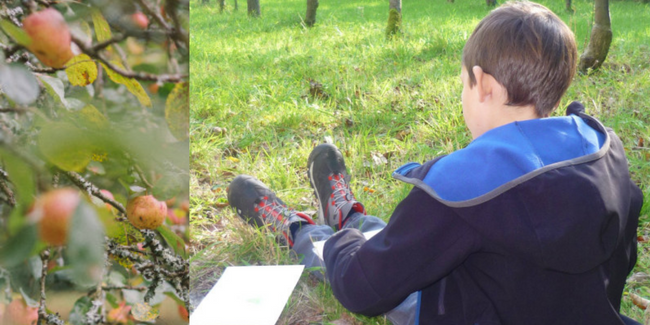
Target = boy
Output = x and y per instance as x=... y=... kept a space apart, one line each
x=534 y=222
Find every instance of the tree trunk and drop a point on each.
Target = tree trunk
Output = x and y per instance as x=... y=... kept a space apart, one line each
x=491 y=3
x=236 y=6
x=253 y=8
x=222 y=5
x=310 y=17
x=568 y=6
x=601 y=37
x=394 y=18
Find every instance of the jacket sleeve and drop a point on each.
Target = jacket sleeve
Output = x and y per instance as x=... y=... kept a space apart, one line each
x=422 y=243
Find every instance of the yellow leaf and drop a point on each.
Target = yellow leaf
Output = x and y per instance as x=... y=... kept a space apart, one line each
x=91 y=117
x=102 y=29
x=81 y=70
x=177 y=110
x=65 y=146
x=233 y=159
x=144 y=313
x=131 y=84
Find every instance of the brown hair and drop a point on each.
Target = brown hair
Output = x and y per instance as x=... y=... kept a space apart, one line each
x=527 y=49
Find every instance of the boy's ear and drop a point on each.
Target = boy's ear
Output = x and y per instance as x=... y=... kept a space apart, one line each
x=482 y=84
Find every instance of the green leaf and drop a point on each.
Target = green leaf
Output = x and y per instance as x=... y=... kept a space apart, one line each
x=90 y=117
x=168 y=186
x=79 y=310
x=131 y=84
x=18 y=248
x=28 y=300
x=19 y=84
x=81 y=70
x=175 y=242
x=20 y=176
x=15 y=32
x=65 y=146
x=177 y=110
x=86 y=245
x=54 y=87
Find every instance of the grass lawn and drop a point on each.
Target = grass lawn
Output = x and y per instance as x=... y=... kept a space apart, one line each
x=265 y=91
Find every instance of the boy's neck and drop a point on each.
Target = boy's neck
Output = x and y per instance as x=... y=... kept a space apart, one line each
x=504 y=114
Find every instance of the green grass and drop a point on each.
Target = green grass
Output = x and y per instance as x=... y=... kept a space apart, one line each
x=397 y=99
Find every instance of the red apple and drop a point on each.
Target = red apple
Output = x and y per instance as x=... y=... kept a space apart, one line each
x=53 y=211
x=18 y=313
x=140 y=20
x=145 y=212
x=50 y=37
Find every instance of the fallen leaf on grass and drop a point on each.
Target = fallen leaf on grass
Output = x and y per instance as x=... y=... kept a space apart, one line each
x=643 y=239
x=233 y=159
x=221 y=203
x=379 y=159
x=640 y=301
x=368 y=189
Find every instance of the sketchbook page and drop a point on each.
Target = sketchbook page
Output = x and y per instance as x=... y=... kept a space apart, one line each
x=319 y=245
x=248 y=295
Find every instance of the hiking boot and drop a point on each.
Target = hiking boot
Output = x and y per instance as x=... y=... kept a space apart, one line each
x=259 y=206
x=330 y=180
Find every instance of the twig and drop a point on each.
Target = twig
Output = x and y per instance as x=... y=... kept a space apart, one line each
x=105 y=288
x=93 y=190
x=89 y=50
x=18 y=110
x=4 y=178
x=142 y=177
x=43 y=316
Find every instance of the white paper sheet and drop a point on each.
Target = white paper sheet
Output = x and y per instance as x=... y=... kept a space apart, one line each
x=248 y=295
x=319 y=245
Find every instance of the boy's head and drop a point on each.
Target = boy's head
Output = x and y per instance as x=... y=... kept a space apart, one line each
x=528 y=50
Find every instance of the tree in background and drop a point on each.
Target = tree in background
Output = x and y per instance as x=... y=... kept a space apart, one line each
x=394 y=18
x=253 y=8
x=310 y=17
x=94 y=117
x=601 y=38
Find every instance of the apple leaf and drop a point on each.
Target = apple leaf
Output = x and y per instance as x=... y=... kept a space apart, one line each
x=90 y=117
x=143 y=312
x=131 y=84
x=18 y=247
x=54 y=87
x=102 y=29
x=177 y=110
x=79 y=311
x=65 y=146
x=175 y=242
x=86 y=245
x=168 y=186
x=19 y=84
x=81 y=70
x=21 y=177
x=17 y=33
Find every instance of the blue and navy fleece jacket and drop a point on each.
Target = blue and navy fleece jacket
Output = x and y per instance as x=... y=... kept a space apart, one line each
x=534 y=222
